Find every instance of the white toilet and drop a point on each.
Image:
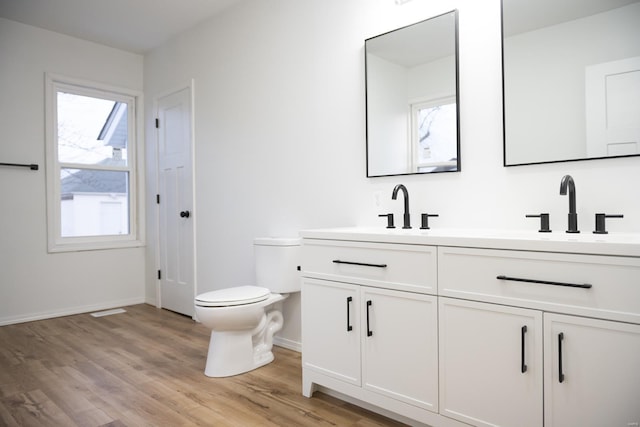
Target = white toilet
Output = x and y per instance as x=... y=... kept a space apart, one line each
x=242 y=319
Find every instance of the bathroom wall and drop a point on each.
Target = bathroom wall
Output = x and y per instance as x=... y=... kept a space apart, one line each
x=280 y=135
x=33 y=283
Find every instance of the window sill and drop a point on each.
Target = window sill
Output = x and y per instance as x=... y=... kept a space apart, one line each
x=94 y=246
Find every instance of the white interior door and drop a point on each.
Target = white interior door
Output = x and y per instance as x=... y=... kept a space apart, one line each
x=175 y=191
x=613 y=108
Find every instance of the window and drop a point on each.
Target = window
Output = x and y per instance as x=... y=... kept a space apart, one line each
x=92 y=180
x=434 y=135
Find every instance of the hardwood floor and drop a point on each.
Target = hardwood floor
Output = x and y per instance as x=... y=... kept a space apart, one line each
x=145 y=368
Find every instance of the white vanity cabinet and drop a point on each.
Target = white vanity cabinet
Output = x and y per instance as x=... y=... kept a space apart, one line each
x=537 y=290
x=331 y=327
x=490 y=364
x=592 y=372
x=365 y=335
x=475 y=329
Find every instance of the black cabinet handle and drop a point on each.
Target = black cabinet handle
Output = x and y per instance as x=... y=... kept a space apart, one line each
x=349 y=327
x=523 y=365
x=560 y=373
x=369 y=331
x=338 y=261
x=184 y=214
x=545 y=282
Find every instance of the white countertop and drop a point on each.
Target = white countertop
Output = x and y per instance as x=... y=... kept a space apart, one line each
x=619 y=244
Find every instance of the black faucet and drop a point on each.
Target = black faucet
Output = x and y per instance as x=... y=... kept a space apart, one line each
x=567 y=182
x=394 y=196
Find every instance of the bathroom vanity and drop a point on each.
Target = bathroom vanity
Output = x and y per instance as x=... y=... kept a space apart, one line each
x=473 y=327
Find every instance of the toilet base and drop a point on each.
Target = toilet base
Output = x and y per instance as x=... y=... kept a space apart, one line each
x=231 y=353
x=236 y=352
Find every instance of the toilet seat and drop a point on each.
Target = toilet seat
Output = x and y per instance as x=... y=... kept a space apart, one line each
x=233 y=296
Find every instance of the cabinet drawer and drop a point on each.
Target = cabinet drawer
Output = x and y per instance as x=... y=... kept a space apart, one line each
x=410 y=268
x=612 y=288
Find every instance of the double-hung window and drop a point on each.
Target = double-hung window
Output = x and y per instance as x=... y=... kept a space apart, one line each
x=92 y=174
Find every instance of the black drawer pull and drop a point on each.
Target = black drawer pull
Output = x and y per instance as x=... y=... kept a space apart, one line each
x=337 y=261
x=545 y=282
x=349 y=327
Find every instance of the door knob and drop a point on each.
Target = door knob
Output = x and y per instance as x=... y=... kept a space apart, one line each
x=184 y=214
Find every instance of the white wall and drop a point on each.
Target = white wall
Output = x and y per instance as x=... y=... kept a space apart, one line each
x=33 y=283
x=280 y=134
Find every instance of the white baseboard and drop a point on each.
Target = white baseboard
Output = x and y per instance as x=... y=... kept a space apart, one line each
x=68 y=311
x=152 y=301
x=289 y=344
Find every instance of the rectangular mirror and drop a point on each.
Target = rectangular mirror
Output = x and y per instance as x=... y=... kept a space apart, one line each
x=571 y=73
x=412 y=99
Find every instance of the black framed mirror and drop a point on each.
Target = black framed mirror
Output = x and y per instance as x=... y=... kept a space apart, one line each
x=412 y=99
x=571 y=79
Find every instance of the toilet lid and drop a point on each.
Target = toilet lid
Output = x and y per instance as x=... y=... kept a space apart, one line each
x=233 y=296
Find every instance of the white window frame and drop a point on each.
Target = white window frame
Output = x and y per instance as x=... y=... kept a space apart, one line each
x=55 y=241
x=414 y=142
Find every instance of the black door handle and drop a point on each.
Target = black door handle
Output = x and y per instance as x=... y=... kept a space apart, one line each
x=560 y=373
x=523 y=365
x=369 y=331
x=349 y=327
x=184 y=214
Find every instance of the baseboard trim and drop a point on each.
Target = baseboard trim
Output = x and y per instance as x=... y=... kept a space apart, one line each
x=288 y=344
x=68 y=311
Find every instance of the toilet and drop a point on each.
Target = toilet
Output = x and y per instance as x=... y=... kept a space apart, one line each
x=243 y=319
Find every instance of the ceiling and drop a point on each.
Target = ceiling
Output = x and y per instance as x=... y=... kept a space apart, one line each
x=132 y=25
x=526 y=15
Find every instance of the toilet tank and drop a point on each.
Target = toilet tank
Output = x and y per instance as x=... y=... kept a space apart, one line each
x=277 y=260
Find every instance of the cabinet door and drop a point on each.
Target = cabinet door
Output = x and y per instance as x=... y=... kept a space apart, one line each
x=592 y=372
x=400 y=346
x=331 y=329
x=490 y=364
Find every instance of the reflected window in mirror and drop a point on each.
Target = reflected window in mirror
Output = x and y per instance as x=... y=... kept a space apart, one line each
x=571 y=78
x=412 y=99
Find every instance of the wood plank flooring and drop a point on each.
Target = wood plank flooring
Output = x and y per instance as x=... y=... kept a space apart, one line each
x=145 y=368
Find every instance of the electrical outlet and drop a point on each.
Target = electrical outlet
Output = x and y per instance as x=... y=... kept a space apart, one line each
x=376 y=198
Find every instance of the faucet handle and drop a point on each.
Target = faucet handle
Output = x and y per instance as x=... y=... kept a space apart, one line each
x=544 y=222
x=600 y=222
x=389 y=220
x=425 y=220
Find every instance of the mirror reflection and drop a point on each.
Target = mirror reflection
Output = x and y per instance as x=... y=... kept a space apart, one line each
x=571 y=73
x=412 y=99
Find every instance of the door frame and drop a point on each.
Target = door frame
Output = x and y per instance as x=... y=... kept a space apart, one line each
x=190 y=86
